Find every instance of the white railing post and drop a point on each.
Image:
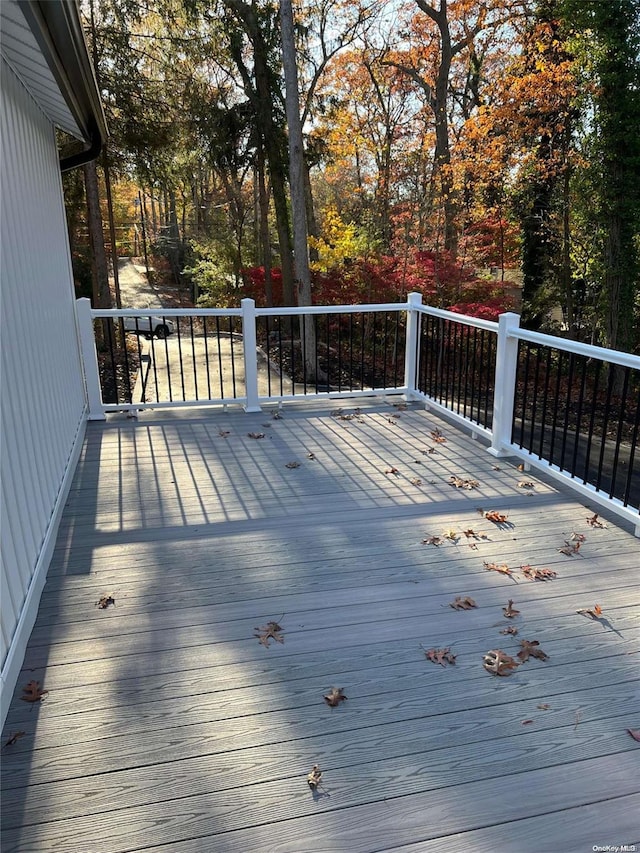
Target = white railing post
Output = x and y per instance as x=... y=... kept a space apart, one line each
x=505 y=384
x=89 y=355
x=411 y=358
x=250 y=353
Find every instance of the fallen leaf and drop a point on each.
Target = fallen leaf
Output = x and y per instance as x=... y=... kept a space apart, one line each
x=543 y=706
x=495 y=467
x=452 y=535
x=311 y=456
x=593 y=521
x=459 y=483
x=433 y=540
x=635 y=734
x=292 y=465
x=105 y=601
x=16 y=737
x=527 y=722
x=441 y=656
x=570 y=549
x=391 y=471
x=494 y=567
x=223 y=433
x=415 y=481
x=509 y=611
x=594 y=613
x=334 y=697
x=521 y=467
x=270 y=631
x=531 y=648
x=496 y=517
x=313 y=778
x=578 y=537
x=33 y=692
x=437 y=436
x=277 y=415
x=538 y=574
x=510 y=629
x=401 y=407
x=499 y=663
x=428 y=450
x=465 y=603
x=471 y=534
x=526 y=484
x=255 y=434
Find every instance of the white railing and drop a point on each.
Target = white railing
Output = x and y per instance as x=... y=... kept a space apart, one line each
x=466 y=368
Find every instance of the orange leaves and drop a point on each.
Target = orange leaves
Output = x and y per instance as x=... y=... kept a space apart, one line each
x=33 y=692
x=334 y=697
x=459 y=483
x=509 y=612
x=497 y=662
x=437 y=436
x=433 y=540
x=441 y=656
x=270 y=631
x=465 y=603
x=503 y=569
x=593 y=613
x=538 y=574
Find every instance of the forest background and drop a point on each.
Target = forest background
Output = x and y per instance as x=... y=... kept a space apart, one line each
x=483 y=152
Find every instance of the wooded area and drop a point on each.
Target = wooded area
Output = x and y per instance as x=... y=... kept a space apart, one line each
x=458 y=148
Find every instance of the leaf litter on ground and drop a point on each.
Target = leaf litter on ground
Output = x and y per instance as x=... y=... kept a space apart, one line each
x=498 y=662
x=460 y=603
x=509 y=611
x=594 y=613
x=531 y=648
x=537 y=574
x=271 y=631
x=460 y=483
x=105 y=601
x=441 y=656
x=314 y=777
x=335 y=696
x=33 y=692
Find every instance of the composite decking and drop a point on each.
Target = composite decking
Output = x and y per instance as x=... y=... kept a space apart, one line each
x=169 y=727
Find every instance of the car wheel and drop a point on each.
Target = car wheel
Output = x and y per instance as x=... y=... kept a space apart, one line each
x=162 y=331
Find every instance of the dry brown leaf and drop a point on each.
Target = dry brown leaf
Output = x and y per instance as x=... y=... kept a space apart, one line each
x=460 y=483
x=499 y=663
x=465 y=603
x=13 y=739
x=334 y=697
x=531 y=648
x=527 y=722
x=510 y=629
x=594 y=521
x=495 y=467
x=543 y=706
x=428 y=450
x=509 y=611
x=471 y=534
x=578 y=537
x=538 y=574
x=270 y=631
x=33 y=692
x=292 y=465
x=594 y=613
x=570 y=549
x=441 y=656
x=437 y=436
x=313 y=778
x=433 y=540
x=223 y=433
x=496 y=517
x=105 y=601
x=255 y=434
x=494 y=567
x=391 y=471
x=521 y=467
x=415 y=481
x=311 y=456
x=452 y=535
x=526 y=484
x=635 y=734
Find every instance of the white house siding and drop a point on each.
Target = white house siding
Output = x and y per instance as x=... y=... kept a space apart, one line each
x=42 y=397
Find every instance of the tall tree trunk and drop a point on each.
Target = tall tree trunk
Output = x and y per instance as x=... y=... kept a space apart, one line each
x=101 y=293
x=265 y=240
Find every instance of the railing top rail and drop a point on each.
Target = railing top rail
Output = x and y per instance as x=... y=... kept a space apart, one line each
x=166 y=312
x=626 y=359
x=465 y=319
x=331 y=309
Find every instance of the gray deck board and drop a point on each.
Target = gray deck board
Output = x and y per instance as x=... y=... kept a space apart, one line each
x=168 y=727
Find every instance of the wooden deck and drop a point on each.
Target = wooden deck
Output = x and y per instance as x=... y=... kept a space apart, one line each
x=169 y=727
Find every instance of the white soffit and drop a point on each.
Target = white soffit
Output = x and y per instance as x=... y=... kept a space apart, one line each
x=20 y=49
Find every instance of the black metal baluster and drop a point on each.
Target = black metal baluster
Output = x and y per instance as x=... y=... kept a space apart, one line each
x=280 y=360
x=385 y=349
x=108 y=325
x=556 y=400
x=267 y=331
x=233 y=358
x=329 y=359
x=155 y=369
x=574 y=458
x=545 y=403
x=534 y=402
x=605 y=425
x=206 y=355
x=632 y=453
x=623 y=405
x=167 y=361
x=143 y=375
x=127 y=374
x=594 y=406
x=193 y=357
x=374 y=318
x=567 y=410
x=184 y=395
x=525 y=384
x=351 y=352
x=222 y=395
x=292 y=354
x=314 y=319
x=339 y=316
x=467 y=368
x=363 y=323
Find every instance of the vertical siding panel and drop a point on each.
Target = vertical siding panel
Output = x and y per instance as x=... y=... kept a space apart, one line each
x=43 y=403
